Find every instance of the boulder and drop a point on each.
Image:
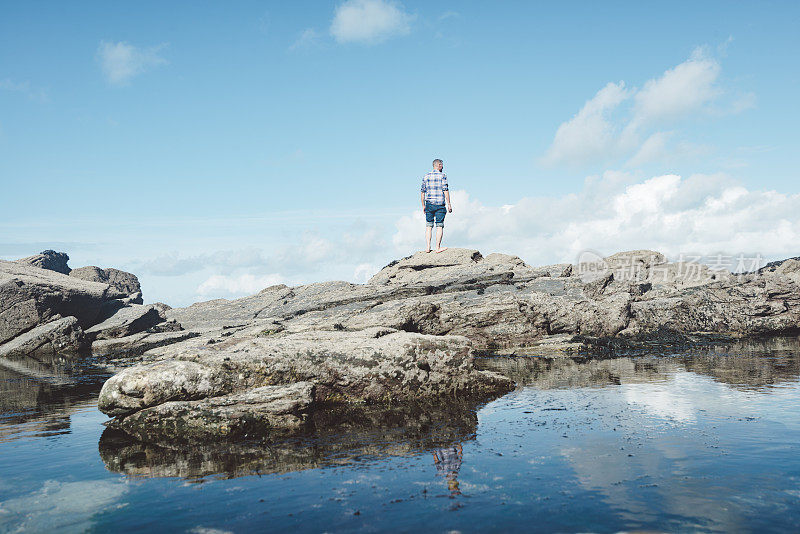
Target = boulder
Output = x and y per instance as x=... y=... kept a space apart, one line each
x=30 y=296
x=48 y=259
x=126 y=283
x=376 y=365
x=146 y=385
x=125 y=320
x=453 y=266
x=62 y=334
x=269 y=409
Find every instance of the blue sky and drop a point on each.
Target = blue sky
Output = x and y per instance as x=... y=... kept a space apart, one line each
x=214 y=148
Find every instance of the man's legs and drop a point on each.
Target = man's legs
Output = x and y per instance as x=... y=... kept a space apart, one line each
x=440 y=213
x=429 y=218
x=439 y=233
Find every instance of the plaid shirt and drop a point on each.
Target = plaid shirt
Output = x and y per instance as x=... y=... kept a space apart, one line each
x=434 y=184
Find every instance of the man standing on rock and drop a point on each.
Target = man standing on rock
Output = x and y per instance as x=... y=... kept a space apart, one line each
x=433 y=195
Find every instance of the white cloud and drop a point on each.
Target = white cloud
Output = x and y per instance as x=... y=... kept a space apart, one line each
x=308 y=38
x=681 y=90
x=24 y=88
x=626 y=125
x=122 y=61
x=369 y=21
x=364 y=271
x=239 y=285
x=590 y=133
x=701 y=214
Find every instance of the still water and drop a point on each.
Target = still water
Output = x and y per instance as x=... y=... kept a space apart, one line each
x=704 y=440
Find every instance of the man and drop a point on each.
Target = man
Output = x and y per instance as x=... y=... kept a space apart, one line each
x=433 y=195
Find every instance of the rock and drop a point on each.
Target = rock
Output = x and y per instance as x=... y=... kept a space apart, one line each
x=126 y=283
x=137 y=344
x=273 y=409
x=374 y=365
x=412 y=331
x=48 y=259
x=125 y=321
x=152 y=384
x=162 y=308
x=451 y=267
x=30 y=296
x=57 y=336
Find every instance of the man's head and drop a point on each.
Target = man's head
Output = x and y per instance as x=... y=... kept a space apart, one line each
x=437 y=164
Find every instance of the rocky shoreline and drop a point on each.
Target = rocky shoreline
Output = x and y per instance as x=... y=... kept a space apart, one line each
x=269 y=363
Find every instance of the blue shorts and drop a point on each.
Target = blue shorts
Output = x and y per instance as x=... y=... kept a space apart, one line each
x=434 y=212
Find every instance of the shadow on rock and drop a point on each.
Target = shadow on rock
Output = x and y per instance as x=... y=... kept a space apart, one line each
x=340 y=435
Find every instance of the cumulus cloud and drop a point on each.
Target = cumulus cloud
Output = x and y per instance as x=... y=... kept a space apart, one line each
x=365 y=271
x=369 y=21
x=590 y=133
x=627 y=124
x=176 y=265
x=684 y=89
x=699 y=215
x=121 y=61
x=243 y=284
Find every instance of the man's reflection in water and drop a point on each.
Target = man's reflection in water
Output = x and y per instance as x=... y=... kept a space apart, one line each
x=448 y=462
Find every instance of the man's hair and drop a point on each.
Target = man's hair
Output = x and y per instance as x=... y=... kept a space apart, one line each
x=437 y=159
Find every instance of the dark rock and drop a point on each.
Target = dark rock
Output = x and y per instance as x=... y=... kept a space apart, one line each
x=124 y=321
x=126 y=283
x=30 y=296
x=58 y=336
x=48 y=259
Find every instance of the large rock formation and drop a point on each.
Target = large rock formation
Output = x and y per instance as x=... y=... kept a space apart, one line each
x=412 y=331
x=270 y=361
x=46 y=307
x=125 y=283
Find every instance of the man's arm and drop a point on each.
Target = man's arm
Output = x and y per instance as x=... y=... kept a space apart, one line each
x=446 y=190
x=422 y=199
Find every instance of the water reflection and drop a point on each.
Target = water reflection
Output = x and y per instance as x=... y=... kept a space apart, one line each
x=38 y=394
x=700 y=440
x=747 y=364
x=340 y=436
x=448 y=463
x=663 y=386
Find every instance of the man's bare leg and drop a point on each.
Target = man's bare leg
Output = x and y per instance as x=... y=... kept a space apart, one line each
x=439 y=234
x=428 y=232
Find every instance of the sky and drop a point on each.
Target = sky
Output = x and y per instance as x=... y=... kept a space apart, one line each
x=214 y=149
